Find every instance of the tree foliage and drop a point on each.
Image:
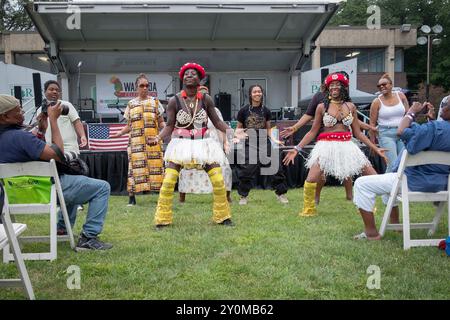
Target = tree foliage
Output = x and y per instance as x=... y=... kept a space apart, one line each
x=13 y=16
x=417 y=13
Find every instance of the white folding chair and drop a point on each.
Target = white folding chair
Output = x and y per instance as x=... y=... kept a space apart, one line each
x=400 y=192
x=8 y=236
x=41 y=169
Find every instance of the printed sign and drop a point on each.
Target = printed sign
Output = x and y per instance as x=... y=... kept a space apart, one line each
x=118 y=89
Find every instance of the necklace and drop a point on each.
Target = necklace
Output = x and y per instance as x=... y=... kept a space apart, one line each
x=191 y=103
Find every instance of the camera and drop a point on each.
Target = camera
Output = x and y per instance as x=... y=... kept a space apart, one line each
x=46 y=103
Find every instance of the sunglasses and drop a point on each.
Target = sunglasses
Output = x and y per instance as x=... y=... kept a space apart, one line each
x=144 y=85
x=382 y=84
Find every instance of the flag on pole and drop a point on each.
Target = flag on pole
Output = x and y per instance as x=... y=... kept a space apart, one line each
x=100 y=137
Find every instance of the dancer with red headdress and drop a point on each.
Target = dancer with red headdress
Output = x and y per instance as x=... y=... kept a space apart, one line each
x=190 y=146
x=334 y=153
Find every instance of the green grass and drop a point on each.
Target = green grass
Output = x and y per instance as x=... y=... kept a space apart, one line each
x=271 y=253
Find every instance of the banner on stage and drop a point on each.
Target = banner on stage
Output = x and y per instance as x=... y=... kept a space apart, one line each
x=120 y=88
x=311 y=80
x=99 y=137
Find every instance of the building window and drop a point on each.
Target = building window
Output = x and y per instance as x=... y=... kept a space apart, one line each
x=369 y=60
x=37 y=61
x=2 y=57
x=399 y=60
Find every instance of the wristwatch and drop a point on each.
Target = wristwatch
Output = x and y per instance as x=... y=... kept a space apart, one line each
x=298 y=149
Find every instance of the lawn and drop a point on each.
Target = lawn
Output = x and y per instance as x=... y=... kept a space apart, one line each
x=271 y=253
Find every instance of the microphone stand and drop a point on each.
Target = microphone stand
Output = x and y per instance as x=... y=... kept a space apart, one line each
x=167 y=88
x=79 y=89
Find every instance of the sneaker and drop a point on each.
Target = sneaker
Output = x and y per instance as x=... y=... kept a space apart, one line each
x=227 y=222
x=85 y=243
x=161 y=226
x=131 y=201
x=61 y=232
x=243 y=201
x=283 y=199
x=80 y=208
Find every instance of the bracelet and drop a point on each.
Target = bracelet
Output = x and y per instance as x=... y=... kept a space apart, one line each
x=410 y=117
x=298 y=149
x=412 y=114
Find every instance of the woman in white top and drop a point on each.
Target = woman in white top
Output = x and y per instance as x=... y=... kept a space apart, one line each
x=387 y=111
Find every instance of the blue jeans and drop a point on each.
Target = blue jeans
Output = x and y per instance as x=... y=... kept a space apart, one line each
x=79 y=190
x=388 y=139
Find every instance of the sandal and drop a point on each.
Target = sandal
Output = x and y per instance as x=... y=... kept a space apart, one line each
x=363 y=236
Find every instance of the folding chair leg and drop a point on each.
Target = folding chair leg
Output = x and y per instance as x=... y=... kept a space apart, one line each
x=18 y=259
x=406 y=221
x=386 y=216
x=12 y=240
x=437 y=218
x=448 y=218
x=389 y=206
x=65 y=214
x=53 y=235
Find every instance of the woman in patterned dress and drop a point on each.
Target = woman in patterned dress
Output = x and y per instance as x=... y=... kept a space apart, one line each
x=145 y=162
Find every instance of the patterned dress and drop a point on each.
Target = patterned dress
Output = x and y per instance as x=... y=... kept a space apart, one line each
x=145 y=162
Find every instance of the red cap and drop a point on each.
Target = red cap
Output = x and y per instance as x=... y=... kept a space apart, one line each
x=336 y=77
x=192 y=65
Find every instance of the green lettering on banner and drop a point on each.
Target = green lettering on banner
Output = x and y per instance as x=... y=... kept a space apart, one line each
x=27 y=93
x=315 y=88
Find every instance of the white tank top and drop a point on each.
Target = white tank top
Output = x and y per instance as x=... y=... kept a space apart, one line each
x=391 y=115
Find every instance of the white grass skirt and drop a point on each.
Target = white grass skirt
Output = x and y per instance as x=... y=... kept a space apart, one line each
x=340 y=159
x=197 y=151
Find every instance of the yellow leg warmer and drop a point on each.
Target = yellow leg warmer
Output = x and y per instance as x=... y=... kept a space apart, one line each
x=163 y=215
x=309 y=205
x=221 y=207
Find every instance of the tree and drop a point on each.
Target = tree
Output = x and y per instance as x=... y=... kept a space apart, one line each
x=13 y=16
x=416 y=13
x=352 y=12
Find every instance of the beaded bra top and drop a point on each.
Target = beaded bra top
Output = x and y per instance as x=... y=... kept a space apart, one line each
x=184 y=118
x=331 y=121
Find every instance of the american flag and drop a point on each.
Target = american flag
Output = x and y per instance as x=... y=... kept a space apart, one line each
x=100 y=137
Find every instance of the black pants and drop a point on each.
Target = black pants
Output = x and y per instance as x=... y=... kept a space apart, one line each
x=247 y=172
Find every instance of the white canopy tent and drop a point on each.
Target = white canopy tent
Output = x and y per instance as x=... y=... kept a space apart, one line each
x=251 y=39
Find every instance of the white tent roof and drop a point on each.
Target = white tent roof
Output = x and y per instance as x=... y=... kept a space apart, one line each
x=130 y=36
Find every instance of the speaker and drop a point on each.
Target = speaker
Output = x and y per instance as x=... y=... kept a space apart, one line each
x=323 y=74
x=18 y=93
x=37 y=88
x=223 y=103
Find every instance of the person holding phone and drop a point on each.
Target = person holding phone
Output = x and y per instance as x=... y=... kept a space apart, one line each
x=430 y=136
